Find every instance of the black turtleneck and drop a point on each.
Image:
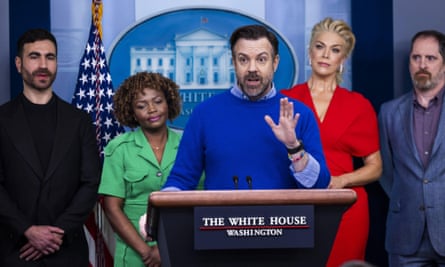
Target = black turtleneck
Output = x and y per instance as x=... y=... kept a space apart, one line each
x=42 y=120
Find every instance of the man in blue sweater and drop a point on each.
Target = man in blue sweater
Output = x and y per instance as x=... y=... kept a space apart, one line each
x=233 y=138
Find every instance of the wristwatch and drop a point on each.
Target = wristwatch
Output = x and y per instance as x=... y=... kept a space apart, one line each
x=297 y=149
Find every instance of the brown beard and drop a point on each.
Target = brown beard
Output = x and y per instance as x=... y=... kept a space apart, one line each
x=422 y=80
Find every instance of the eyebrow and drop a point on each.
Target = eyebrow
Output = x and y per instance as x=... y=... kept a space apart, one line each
x=35 y=53
x=334 y=45
x=424 y=55
x=260 y=54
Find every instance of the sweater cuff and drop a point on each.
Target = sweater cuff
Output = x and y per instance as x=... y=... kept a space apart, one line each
x=309 y=175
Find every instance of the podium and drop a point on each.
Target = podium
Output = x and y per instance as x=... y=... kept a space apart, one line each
x=172 y=219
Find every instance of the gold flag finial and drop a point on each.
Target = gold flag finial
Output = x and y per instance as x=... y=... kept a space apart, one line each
x=96 y=10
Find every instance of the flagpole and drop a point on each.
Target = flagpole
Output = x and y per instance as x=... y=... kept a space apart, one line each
x=97 y=20
x=93 y=94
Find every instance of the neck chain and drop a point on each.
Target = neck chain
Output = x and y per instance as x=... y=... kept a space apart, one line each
x=159 y=145
x=157 y=148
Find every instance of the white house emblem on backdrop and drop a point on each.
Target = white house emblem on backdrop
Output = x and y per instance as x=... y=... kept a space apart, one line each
x=191 y=46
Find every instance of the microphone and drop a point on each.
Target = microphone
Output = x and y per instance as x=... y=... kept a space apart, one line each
x=235 y=181
x=249 y=181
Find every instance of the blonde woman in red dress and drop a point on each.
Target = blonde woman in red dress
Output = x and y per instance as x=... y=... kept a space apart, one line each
x=348 y=126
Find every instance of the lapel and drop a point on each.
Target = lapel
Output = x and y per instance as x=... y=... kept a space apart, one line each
x=406 y=113
x=440 y=135
x=147 y=153
x=65 y=133
x=171 y=149
x=20 y=135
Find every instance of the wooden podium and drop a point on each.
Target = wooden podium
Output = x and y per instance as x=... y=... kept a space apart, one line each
x=171 y=220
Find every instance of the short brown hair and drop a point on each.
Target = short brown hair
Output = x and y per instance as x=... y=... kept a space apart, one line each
x=254 y=32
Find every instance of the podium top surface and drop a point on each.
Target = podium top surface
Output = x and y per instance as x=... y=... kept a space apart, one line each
x=252 y=197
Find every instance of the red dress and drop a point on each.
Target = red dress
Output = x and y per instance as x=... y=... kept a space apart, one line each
x=348 y=130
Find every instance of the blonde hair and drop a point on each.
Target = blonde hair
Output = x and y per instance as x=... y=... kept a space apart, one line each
x=342 y=29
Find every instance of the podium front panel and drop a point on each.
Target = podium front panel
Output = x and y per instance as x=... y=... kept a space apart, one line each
x=173 y=222
x=176 y=243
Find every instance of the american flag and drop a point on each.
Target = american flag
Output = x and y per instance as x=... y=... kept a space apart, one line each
x=94 y=90
x=94 y=94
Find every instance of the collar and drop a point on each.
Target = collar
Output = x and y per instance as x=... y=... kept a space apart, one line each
x=236 y=91
x=437 y=99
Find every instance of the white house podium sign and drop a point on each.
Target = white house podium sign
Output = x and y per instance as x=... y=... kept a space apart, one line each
x=236 y=218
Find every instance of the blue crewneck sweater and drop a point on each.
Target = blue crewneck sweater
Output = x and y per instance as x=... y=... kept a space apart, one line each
x=227 y=136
